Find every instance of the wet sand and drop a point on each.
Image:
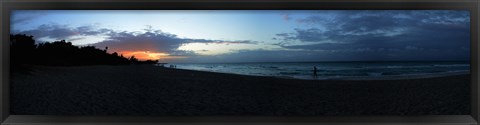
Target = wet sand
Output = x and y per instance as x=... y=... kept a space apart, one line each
x=150 y=90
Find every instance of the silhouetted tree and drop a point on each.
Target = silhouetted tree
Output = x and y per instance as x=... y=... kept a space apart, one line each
x=22 y=48
x=25 y=51
x=133 y=59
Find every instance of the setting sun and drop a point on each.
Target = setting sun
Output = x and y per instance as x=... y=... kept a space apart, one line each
x=148 y=55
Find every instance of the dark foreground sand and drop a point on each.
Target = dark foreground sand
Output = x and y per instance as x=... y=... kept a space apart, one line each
x=148 y=90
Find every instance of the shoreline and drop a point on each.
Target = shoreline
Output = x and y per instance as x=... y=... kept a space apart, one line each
x=139 y=90
x=406 y=77
x=382 y=77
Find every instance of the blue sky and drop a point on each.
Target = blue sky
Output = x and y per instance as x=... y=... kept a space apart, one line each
x=257 y=35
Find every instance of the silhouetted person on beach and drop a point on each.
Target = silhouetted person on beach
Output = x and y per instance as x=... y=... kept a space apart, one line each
x=315 y=71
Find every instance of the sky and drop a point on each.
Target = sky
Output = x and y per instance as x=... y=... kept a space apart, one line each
x=216 y=36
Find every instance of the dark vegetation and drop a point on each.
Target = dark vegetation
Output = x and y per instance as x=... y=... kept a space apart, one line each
x=24 y=50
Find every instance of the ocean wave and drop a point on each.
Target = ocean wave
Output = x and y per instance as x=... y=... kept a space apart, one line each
x=375 y=73
x=452 y=65
x=334 y=70
x=289 y=73
x=417 y=66
x=396 y=67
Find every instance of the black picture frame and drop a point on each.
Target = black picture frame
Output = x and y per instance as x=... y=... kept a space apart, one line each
x=8 y=5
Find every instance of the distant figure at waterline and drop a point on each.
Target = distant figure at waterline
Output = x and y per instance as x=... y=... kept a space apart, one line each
x=315 y=71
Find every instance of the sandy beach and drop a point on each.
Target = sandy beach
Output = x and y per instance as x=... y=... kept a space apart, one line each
x=149 y=90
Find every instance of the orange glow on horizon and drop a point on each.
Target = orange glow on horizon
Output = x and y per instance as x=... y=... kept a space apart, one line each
x=148 y=55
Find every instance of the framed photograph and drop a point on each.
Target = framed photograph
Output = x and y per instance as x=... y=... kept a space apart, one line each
x=239 y=62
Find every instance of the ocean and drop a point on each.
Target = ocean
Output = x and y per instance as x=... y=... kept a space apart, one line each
x=337 y=70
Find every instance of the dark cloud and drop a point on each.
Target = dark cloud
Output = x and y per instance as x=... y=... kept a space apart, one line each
x=386 y=34
x=63 y=32
x=155 y=40
x=148 y=41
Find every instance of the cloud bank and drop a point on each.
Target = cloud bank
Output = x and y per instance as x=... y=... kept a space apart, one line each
x=141 y=44
x=384 y=35
x=322 y=36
